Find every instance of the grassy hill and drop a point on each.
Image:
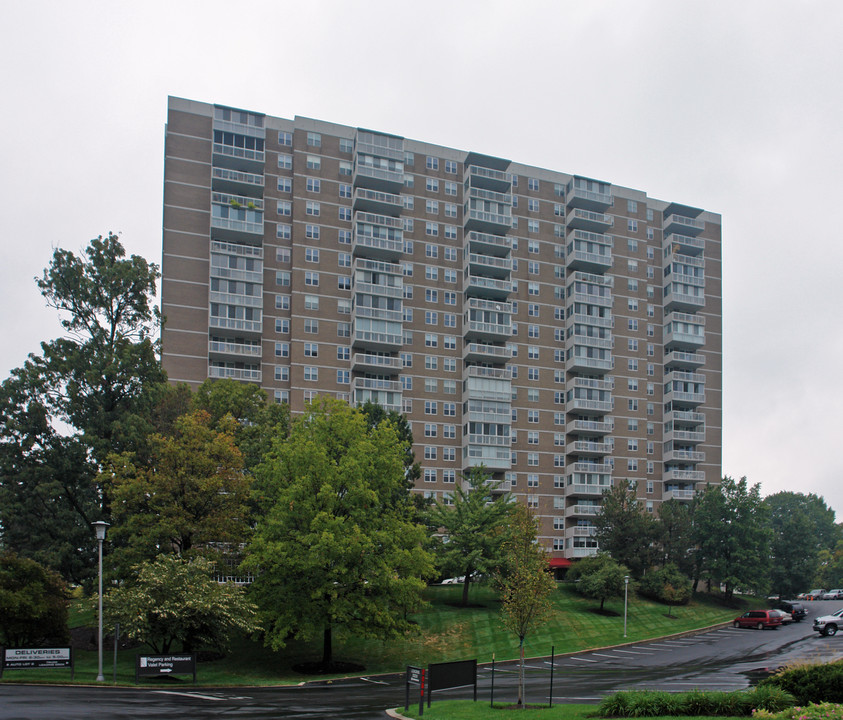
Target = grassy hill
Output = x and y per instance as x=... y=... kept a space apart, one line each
x=446 y=632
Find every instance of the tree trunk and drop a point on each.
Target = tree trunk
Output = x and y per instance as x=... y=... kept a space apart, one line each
x=465 y=584
x=521 y=673
x=327 y=650
x=602 y=600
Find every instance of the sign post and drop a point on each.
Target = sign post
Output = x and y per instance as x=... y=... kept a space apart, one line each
x=415 y=676
x=155 y=665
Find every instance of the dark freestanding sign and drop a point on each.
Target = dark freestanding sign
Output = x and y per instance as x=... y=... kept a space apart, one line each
x=451 y=674
x=24 y=658
x=155 y=665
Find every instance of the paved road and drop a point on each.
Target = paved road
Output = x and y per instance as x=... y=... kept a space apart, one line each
x=720 y=659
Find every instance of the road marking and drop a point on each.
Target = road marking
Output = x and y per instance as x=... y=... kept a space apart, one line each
x=614 y=657
x=374 y=682
x=633 y=652
x=584 y=659
x=188 y=694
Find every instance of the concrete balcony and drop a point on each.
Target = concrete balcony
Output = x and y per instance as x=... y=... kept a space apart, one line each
x=601 y=300
x=364 y=383
x=253 y=301
x=374 y=313
x=487 y=287
x=588 y=200
x=684 y=416
x=246 y=374
x=681 y=224
x=585 y=447
x=377 y=341
x=604 y=343
x=493 y=457
x=484 y=221
x=377 y=202
x=479 y=371
x=237 y=158
x=581 y=363
x=381 y=149
x=578 y=552
x=678 y=357
x=675 y=298
x=488 y=178
x=582 y=406
x=605 y=321
x=690 y=437
x=691 y=476
x=229 y=229
x=686 y=244
x=683 y=456
x=589 y=427
x=589 y=261
x=374 y=363
x=587 y=490
x=678 y=339
x=684 y=398
x=481 y=352
x=488 y=265
x=488 y=244
x=582 y=511
x=683 y=376
x=247 y=327
x=580 y=531
x=683 y=495
x=237 y=182
x=376 y=178
x=580 y=219
x=221 y=348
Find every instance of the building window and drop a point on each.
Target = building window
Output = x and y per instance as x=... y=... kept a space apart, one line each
x=431 y=407
x=311 y=373
x=314 y=139
x=311 y=326
x=432 y=163
x=285 y=162
x=311 y=278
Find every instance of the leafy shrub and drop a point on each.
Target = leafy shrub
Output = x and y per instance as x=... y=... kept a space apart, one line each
x=650 y=703
x=667 y=585
x=810 y=682
x=821 y=711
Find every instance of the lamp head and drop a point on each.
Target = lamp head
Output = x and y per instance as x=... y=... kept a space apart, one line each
x=100 y=526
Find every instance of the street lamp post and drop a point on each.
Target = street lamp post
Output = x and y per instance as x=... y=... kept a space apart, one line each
x=100 y=527
x=625 y=600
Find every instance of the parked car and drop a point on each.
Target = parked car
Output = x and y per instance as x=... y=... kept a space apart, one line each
x=829 y=624
x=801 y=596
x=836 y=594
x=786 y=617
x=759 y=619
x=815 y=594
x=796 y=609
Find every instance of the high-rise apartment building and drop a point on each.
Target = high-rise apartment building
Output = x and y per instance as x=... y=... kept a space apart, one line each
x=562 y=331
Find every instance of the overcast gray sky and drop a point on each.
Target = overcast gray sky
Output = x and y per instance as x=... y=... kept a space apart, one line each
x=732 y=106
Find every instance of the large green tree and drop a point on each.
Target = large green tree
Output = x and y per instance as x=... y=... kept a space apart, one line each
x=258 y=422
x=674 y=535
x=802 y=526
x=599 y=577
x=87 y=394
x=33 y=603
x=733 y=534
x=335 y=547
x=472 y=525
x=172 y=600
x=187 y=495
x=525 y=584
x=625 y=530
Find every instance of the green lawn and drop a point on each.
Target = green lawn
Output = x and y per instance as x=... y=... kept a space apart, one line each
x=446 y=633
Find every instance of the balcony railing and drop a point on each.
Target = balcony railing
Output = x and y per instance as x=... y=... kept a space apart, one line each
x=255 y=301
x=234 y=373
x=225 y=323
x=379 y=362
x=598 y=427
x=232 y=348
x=582 y=510
x=684 y=476
x=481 y=351
x=363 y=383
